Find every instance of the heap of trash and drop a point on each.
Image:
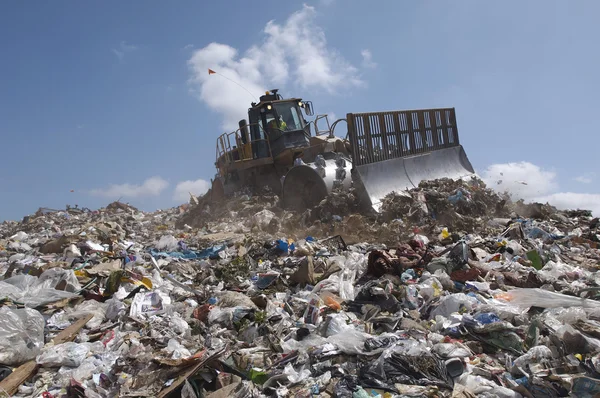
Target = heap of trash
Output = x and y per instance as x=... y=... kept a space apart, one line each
x=450 y=290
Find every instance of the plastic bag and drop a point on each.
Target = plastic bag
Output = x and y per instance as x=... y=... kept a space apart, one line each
x=21 y=335
x=479 y=385
x=545 y=299
x=449 y=350
x=177 y=350
x=534 y=355
x=65 y=354
x=34 y=292
x=337 y=324
x=262 y=219
x=454 y=303
x=220 y=316
x=414 y=366
x=431 y=288
x=114 y=309
x=63 y=320
x=575 y=342
x=296 y=376
x=567 y=316
x=168 y=243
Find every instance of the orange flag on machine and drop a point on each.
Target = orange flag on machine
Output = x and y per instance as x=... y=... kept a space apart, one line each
x=210 y=71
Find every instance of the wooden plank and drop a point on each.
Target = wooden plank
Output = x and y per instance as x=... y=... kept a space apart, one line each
x=11 y=384
x=194 y=369
x=70 y=333
x=180 y=380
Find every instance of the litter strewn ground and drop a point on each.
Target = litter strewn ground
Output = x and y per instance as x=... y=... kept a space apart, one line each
x=450 y=291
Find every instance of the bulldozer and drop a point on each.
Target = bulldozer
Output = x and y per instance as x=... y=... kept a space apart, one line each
x=302 y=161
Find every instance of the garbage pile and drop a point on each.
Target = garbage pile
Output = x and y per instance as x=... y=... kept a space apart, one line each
x=465 y=296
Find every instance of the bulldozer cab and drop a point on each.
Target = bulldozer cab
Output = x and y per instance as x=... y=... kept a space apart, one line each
x=282 y=121
x=274 y=132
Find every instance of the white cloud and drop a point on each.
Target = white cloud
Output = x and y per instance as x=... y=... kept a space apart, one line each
x=573 y=201
x=368 y=59
x=188 y=47
x=587 y=178
x=183 y=189
x=293 y=53
x=151 y=187
x=523 y=180
x=123 y=49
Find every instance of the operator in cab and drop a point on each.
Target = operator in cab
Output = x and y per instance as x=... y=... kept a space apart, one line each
x=275 y=128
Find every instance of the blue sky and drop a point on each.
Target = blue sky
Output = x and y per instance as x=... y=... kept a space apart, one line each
x=110 y=99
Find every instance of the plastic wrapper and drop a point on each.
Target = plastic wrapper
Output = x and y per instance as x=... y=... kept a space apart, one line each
x=554 y=271
x=417 y=366
x=64 y=319
x=21 y=335
x=574 y=342
x=263 y=218
x=114 y=309
x=564 y=316
x=36 y=291
x=534 y=355
x=177 y=350
x=337 y=324
x=449 y=350
x=430 y=288
x=66 y=354
x=296 y=376
x=221 y=316
x=526 y=298
x=454 y=303
x=481 y=386
x=167 y=243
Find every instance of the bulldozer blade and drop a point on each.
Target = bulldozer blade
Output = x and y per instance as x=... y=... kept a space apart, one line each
x=396 y=175
x=395 y=151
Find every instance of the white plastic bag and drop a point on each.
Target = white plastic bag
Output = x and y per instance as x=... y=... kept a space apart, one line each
x=453 y=303
x=534 y=355
x=262 y=219
x=168 y=243
x=21 y=335
x=449 y=350
x=479 y=385
x=177 y=350
x=65 y=354
x=295 y=376
x=526 y=298
x=34 y=292
x=62 y=320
